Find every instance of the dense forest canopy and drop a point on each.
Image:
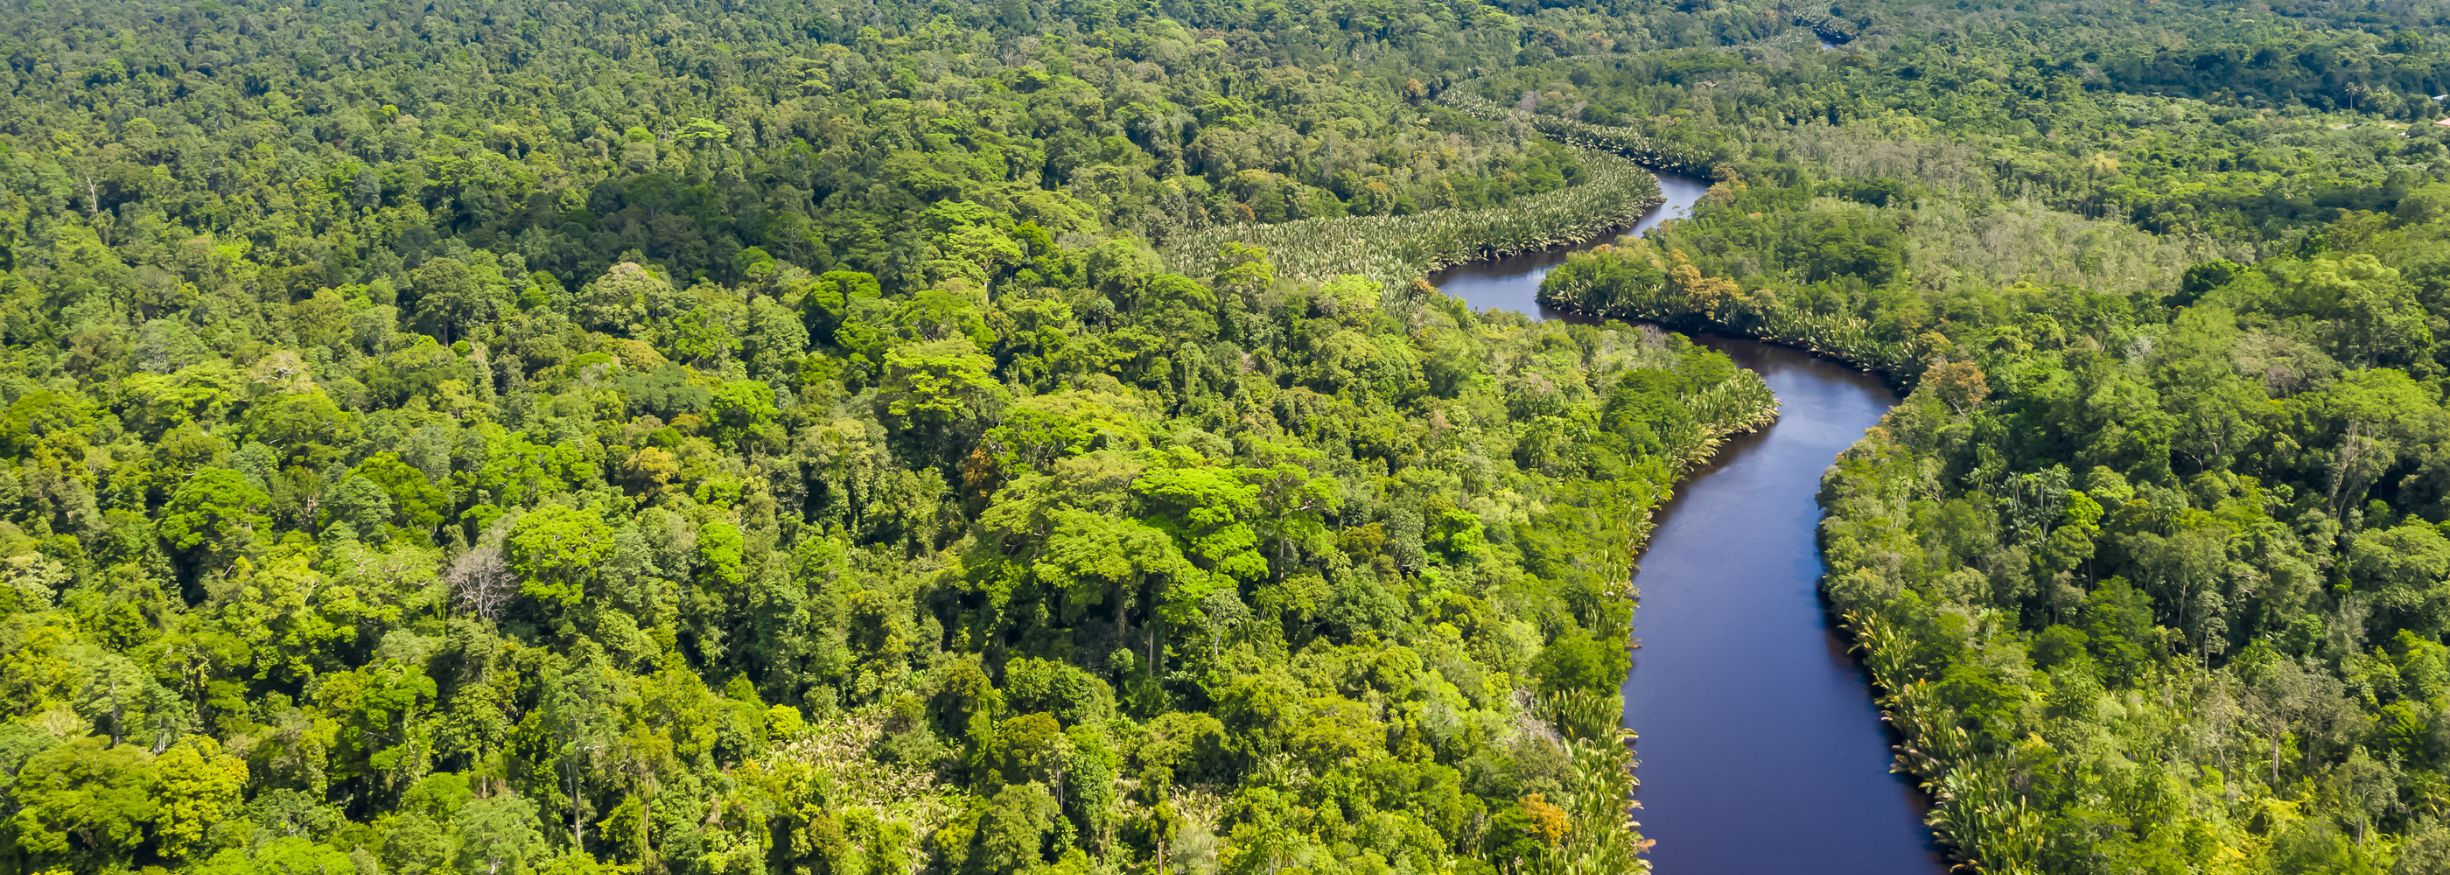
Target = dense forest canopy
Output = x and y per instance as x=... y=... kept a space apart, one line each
x=500 y=436
x=2147 y=563
x=692 y=437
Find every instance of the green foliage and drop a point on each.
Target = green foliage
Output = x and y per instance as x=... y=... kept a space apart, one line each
x=84 y=803
x=1394 y=250
x=706 y=438
x=696 y=437
x=555 y=550
x=2139 y=559
x=213 y=517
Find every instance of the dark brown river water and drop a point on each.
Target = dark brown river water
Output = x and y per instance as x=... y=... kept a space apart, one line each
x=1761 y=748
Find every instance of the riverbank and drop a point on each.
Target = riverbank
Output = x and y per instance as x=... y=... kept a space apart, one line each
x=1395 y=250
x=1761 y=740
x=1640 y=288
x=1724 y=650
x=1585 y=288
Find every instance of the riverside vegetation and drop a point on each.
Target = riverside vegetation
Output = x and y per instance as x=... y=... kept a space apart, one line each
x=504 y=437
x=2152 y=563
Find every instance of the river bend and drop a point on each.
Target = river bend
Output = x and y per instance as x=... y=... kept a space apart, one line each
x=1761 y=749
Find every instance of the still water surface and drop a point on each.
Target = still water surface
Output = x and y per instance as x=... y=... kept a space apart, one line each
x=1513 y=282
x=1761 y=748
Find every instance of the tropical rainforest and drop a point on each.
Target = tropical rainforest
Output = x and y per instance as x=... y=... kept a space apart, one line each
x=692 y=437
x=681 y=436
x=2152 y=564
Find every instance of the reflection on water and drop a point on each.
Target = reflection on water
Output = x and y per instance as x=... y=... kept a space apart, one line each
x=1761 y=747
x=1513 y=282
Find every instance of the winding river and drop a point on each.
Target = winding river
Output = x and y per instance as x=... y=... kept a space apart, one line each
x=1761 y=748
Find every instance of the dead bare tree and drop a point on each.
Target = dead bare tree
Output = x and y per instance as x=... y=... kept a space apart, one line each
x=481 y=582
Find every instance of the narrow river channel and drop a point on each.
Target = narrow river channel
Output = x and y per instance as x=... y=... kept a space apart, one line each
x=1761 y=748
